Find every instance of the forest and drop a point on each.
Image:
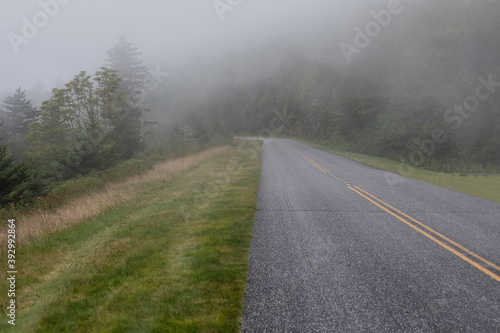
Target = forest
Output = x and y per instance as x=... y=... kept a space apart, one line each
x=425 y=91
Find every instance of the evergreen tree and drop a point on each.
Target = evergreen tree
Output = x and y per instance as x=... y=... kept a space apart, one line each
x=18 y=112
x=136 y=80
x=3 y=120
x=38 y=93
x=85 y=125
x=127 y=134
x=12 y=177
x=124 y=58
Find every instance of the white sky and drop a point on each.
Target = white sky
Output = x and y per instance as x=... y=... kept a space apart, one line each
x=166 y=31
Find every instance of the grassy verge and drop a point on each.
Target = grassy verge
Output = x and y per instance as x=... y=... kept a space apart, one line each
x=483 y=186
x=175 y=258
x=42 y=222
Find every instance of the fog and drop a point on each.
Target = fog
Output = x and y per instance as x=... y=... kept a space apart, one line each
x=372 y=75
x=76 y=35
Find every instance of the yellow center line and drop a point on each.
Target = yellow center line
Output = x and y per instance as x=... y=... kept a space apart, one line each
x=433 y=231
x=325 y=170
x=386 y=207
x=460 y=255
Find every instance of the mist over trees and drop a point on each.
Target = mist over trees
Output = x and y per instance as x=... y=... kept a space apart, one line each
x=91 y=124
x=423 y=91
x=18 y=112
x=81 y=127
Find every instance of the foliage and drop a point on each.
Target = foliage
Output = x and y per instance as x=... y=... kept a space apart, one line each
x=174 y=247
x=397 y=99
x=135 y=82
x=124 y=58
x=84 y=126
x=18 y=185
x=18 y=112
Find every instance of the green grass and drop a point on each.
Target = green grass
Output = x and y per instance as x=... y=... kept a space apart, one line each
x=175 y=259
x=483 y=186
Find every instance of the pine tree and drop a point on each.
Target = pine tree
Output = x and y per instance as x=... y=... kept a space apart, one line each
x=136 y=80
x=3 y=121
x=38 y=93
x=124 y=58
x=76 y=125
x=12 y=176
x=188 y=135
x=18 y=112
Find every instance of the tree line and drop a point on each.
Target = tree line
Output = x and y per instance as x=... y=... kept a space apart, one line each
x=92 y=123
x=426 y=91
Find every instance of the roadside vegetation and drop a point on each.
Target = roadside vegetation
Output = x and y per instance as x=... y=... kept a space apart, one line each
x=481 y=185
x=174 y=258
x=80 y=137
x=425 y=92
x=132 y=217
x=414 y=95
x=87 y=197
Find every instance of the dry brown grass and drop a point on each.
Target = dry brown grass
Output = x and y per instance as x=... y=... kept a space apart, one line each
x=41 y=223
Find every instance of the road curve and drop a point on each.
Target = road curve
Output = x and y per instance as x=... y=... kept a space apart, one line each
x=337 y=249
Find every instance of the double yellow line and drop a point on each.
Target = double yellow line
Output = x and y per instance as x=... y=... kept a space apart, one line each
x=460 y=251
x=325 y=170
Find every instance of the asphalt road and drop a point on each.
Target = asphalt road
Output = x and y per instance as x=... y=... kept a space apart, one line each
x=337 y=249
